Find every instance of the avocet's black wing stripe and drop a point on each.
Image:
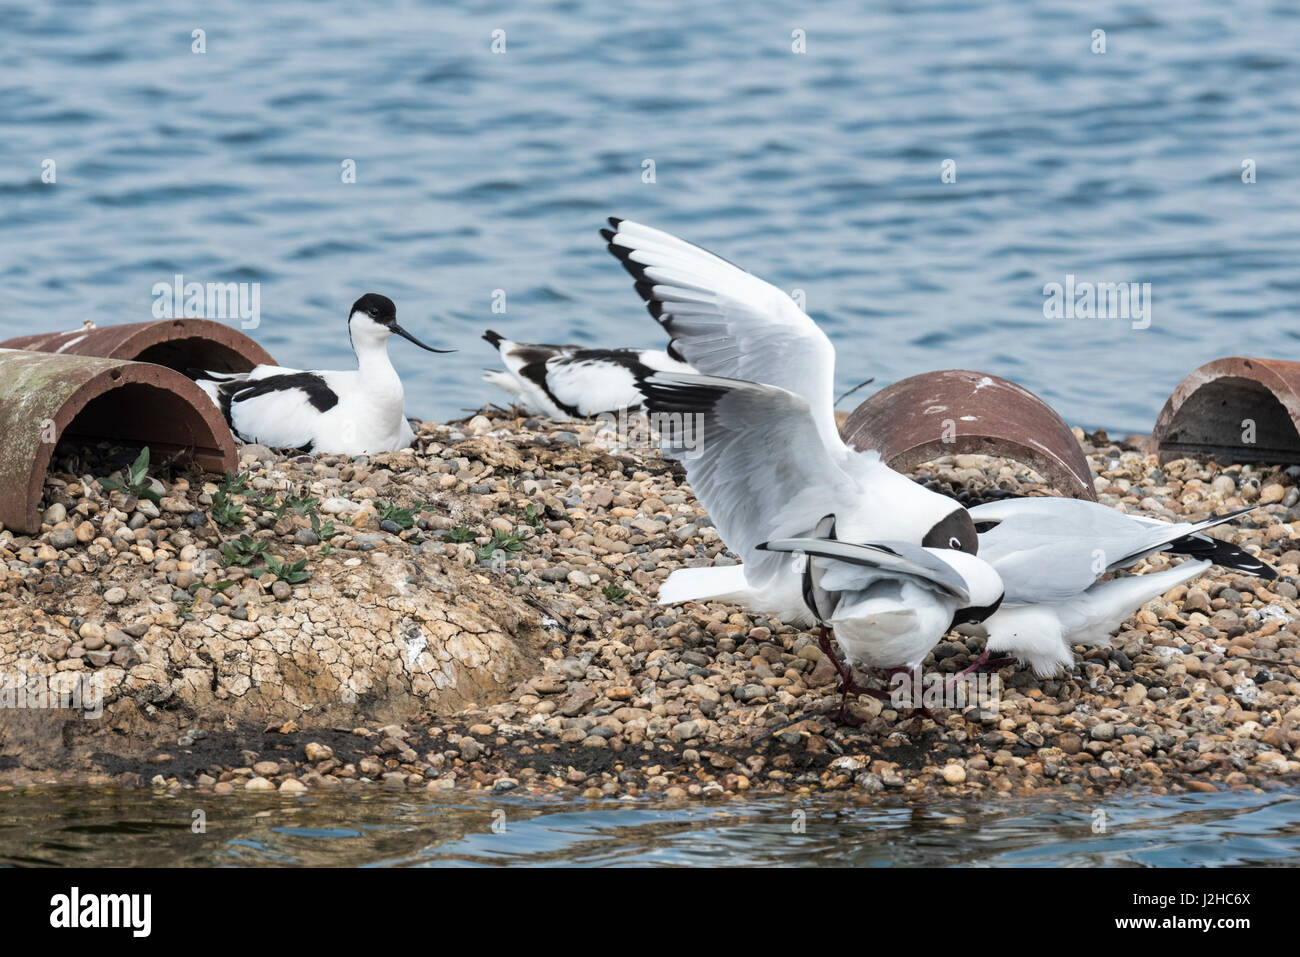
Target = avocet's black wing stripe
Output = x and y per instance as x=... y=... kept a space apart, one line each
x=320 y=395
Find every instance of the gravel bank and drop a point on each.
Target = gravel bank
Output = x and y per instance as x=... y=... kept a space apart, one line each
x=508 y=639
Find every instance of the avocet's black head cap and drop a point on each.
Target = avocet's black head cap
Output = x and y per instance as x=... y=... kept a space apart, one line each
x=377 y=307
x=381 y=310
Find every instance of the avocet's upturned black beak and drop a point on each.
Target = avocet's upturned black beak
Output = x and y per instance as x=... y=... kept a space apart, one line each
x=406 y=335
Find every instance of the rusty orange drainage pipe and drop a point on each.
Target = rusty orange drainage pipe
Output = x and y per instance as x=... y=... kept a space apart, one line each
x=45 y=398
x=1234 y=410
x=958 y=411
x=179 y=344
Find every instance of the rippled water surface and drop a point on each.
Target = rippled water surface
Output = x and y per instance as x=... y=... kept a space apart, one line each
x=89 y=828
x=820 y=171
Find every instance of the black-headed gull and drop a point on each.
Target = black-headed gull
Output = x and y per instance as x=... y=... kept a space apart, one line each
x=767 y=443
x=1042 y=634
x=345 y=413
x=887 y=603
x=1051 y=553
x=727 y=322
x=564 y=382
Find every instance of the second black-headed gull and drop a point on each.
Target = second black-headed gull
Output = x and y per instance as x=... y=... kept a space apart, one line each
x=887 y=603
x=563 y=382
x=1051 y=553
x=343 y=413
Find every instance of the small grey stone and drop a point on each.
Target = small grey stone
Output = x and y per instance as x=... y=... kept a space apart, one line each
x=1103 y=732
x=687 y=730
x=470 y=749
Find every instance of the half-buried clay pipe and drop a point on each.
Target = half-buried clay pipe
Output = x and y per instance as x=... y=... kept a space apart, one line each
x=48 y=398
x=179 y=344
x=1234 y=410
x=956 y=412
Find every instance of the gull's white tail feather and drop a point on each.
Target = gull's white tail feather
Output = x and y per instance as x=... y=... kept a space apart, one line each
x=727 y=583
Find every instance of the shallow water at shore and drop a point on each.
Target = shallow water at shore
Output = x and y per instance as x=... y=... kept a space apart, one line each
x=97 y=827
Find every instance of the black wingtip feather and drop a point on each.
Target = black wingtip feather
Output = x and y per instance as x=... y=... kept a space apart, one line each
x=495 y=338
x=636 y=269
x=614 y=221
x=1223 y=554
x=645 y=289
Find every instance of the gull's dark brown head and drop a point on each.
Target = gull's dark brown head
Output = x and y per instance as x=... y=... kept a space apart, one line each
x=955 y=530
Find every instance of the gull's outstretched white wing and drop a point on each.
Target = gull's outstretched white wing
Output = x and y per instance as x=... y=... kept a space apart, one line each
x=752 y=457
x=727 y=322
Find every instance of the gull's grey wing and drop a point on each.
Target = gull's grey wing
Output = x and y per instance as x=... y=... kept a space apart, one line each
x=1050 y=549
x=753 y=459
x=851 y=565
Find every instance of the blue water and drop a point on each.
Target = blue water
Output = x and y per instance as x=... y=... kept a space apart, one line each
x=479 y=171
x=95 y=828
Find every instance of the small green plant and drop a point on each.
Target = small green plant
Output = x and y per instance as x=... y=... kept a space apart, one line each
x=324 y=530
x=530 y=514
x=137 y=479
x=294 y=573
x=243 y=551
x=234 y=483
x=459 y=535
x=301 y=504
x=402 y=517
x=501 y=542
x=615 y=594
x=225 y=512
x=267 y=502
